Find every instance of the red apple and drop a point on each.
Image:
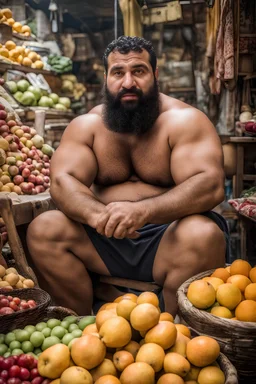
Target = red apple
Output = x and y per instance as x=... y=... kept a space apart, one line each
x=14 y=371
x=24 y=373
x=34 y=373
x=4 y=302
x=4 y=374
x=37 y=380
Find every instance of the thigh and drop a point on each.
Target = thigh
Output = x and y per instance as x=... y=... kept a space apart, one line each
x=189 y=246
x=54 y=231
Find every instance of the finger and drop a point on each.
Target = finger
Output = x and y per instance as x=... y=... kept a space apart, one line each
x=111 y=226
x=134 y=235
x=101 y=223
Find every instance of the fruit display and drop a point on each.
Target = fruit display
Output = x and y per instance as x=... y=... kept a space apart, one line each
x=70 y=85
x=37 y=338
x=20 y=369
x=228 y=292
x=130 y=342
x=9 y=304
x=24 y=158
x=19 y=54
x=11 y=279
x=28 y=95
x=6 y=17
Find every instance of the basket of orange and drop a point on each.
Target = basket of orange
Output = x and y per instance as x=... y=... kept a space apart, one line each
x=221 y=303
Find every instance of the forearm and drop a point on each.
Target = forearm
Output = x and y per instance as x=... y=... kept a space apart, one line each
x=195 y=195
x=76 y=200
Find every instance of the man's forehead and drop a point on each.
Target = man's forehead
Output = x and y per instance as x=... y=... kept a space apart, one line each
x=115 y=56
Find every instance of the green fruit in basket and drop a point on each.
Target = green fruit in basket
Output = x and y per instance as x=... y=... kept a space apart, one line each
x=50 y=341
x=41 y=326
x=3 y=349
x=86 y=321
x=27 y=346
x=37 y=338
x=64 y=324
x=9 y=337
x=72 y=327
x=51 y=323
x=36 y=92
x=30 y=329
x=17 y=351
x=77 y=333
x=58 y=331
x=67 y=338
x=7 y=354
x=46 y=332
x=2 y=336
x=15 y=345
x=22 y=335
x=23 y=85
x=70 y=319
x=37 y=351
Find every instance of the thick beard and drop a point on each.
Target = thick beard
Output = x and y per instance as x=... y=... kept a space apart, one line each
x=135 y=117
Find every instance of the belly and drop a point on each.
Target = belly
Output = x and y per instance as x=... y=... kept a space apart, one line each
x=130 y=190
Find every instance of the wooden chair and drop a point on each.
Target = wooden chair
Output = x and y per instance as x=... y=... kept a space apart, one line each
x=18 y=211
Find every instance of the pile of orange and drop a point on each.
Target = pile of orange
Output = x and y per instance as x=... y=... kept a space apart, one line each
x=228 y=292
x=21 y=55
x=132 y=342
x=6 y=17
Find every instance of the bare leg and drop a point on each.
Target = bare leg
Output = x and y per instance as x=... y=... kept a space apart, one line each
x=61 y=254
x=189 y=246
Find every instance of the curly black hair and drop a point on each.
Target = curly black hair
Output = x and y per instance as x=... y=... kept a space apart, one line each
x=125 y=44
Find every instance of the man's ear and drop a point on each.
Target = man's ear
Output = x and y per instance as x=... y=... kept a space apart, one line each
x=156 y=73
x=105 y=76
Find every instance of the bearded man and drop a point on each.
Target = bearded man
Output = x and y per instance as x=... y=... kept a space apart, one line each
x=134 y=181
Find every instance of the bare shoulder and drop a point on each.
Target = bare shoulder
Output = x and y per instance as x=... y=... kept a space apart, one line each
x=84 y=127
x=184 y=122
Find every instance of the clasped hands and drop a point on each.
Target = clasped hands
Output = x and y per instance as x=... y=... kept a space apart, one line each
x=121 y=219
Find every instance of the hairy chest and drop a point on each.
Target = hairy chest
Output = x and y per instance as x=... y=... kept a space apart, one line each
x=146 y=160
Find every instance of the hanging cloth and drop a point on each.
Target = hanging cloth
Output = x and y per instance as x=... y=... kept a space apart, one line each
x=131 y=17
x=224 y=64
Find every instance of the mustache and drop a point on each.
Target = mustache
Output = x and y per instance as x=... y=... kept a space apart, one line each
x=131 y=91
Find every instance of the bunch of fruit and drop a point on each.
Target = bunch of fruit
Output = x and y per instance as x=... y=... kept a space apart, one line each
x=24 y=158
x=20 y=369
x=132 y=342
x=10 y=279
x=6 y=18
x=10 y=304
x=70 y=85
x=228 y=292
x=28 y=95
x=37 y=338
x=20 y=55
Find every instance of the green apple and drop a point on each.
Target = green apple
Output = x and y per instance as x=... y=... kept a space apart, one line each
x=58 y=331
x=37 y=338
x=49 y=342
x=51 y=323
x=86 y=320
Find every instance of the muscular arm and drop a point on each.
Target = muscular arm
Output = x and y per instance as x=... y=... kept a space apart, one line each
x=73 y=170
x=196 y=167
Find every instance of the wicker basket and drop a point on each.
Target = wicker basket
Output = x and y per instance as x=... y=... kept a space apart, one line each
x=17 y=319
x=237 y=339
x=228 y=368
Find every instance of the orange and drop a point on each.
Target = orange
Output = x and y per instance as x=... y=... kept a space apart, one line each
x=102 y=316
x=132 y=347
x=221 y=273
x=138 y=373
x=122 y=359
x=148 y=297
x=151 y=354
x=108 y=379
x=240 y=281
x=228 y=295
x=166 y=316
x=76 y=375
x=252 y=274
x=176 y=363
x=214 y=281
x=201 y=294
x=170 y=378
x=221 y=312
x=91 y=328
x=88 y=351
x=163 y=334
x=246 y=311
x=125 y=307
x=107 y=367
x=10 y=45
x=202 y=351
x=211 y=375
x=184 y=330
x=108 y=306
x=250 y=292
x=240 y=267
x=115 y=332
x=130 y=296
x=144 y=316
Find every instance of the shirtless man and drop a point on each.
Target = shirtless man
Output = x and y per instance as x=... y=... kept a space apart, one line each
x=134 y=181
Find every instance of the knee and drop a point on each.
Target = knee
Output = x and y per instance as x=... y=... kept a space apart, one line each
x=46 y=226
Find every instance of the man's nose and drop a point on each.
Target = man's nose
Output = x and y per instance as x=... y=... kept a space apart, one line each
x=128 y=81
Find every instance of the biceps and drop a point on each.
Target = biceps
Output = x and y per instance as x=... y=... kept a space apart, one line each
x=78 y=161
x=191 y=159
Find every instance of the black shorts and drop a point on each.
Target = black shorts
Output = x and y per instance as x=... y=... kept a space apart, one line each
x=134 y=258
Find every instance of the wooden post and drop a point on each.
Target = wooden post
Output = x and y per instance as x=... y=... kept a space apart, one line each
x=39 y=122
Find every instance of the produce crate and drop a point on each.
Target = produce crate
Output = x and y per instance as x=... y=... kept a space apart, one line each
x=237 y=339
x=17 y=319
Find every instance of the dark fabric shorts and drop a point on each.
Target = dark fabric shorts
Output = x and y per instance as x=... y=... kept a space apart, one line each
x=134 y=258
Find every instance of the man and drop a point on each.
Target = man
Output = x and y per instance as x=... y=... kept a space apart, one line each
x=133 y=180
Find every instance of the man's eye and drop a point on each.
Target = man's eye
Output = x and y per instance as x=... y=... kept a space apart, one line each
x=138 y=71
x=118 y=73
